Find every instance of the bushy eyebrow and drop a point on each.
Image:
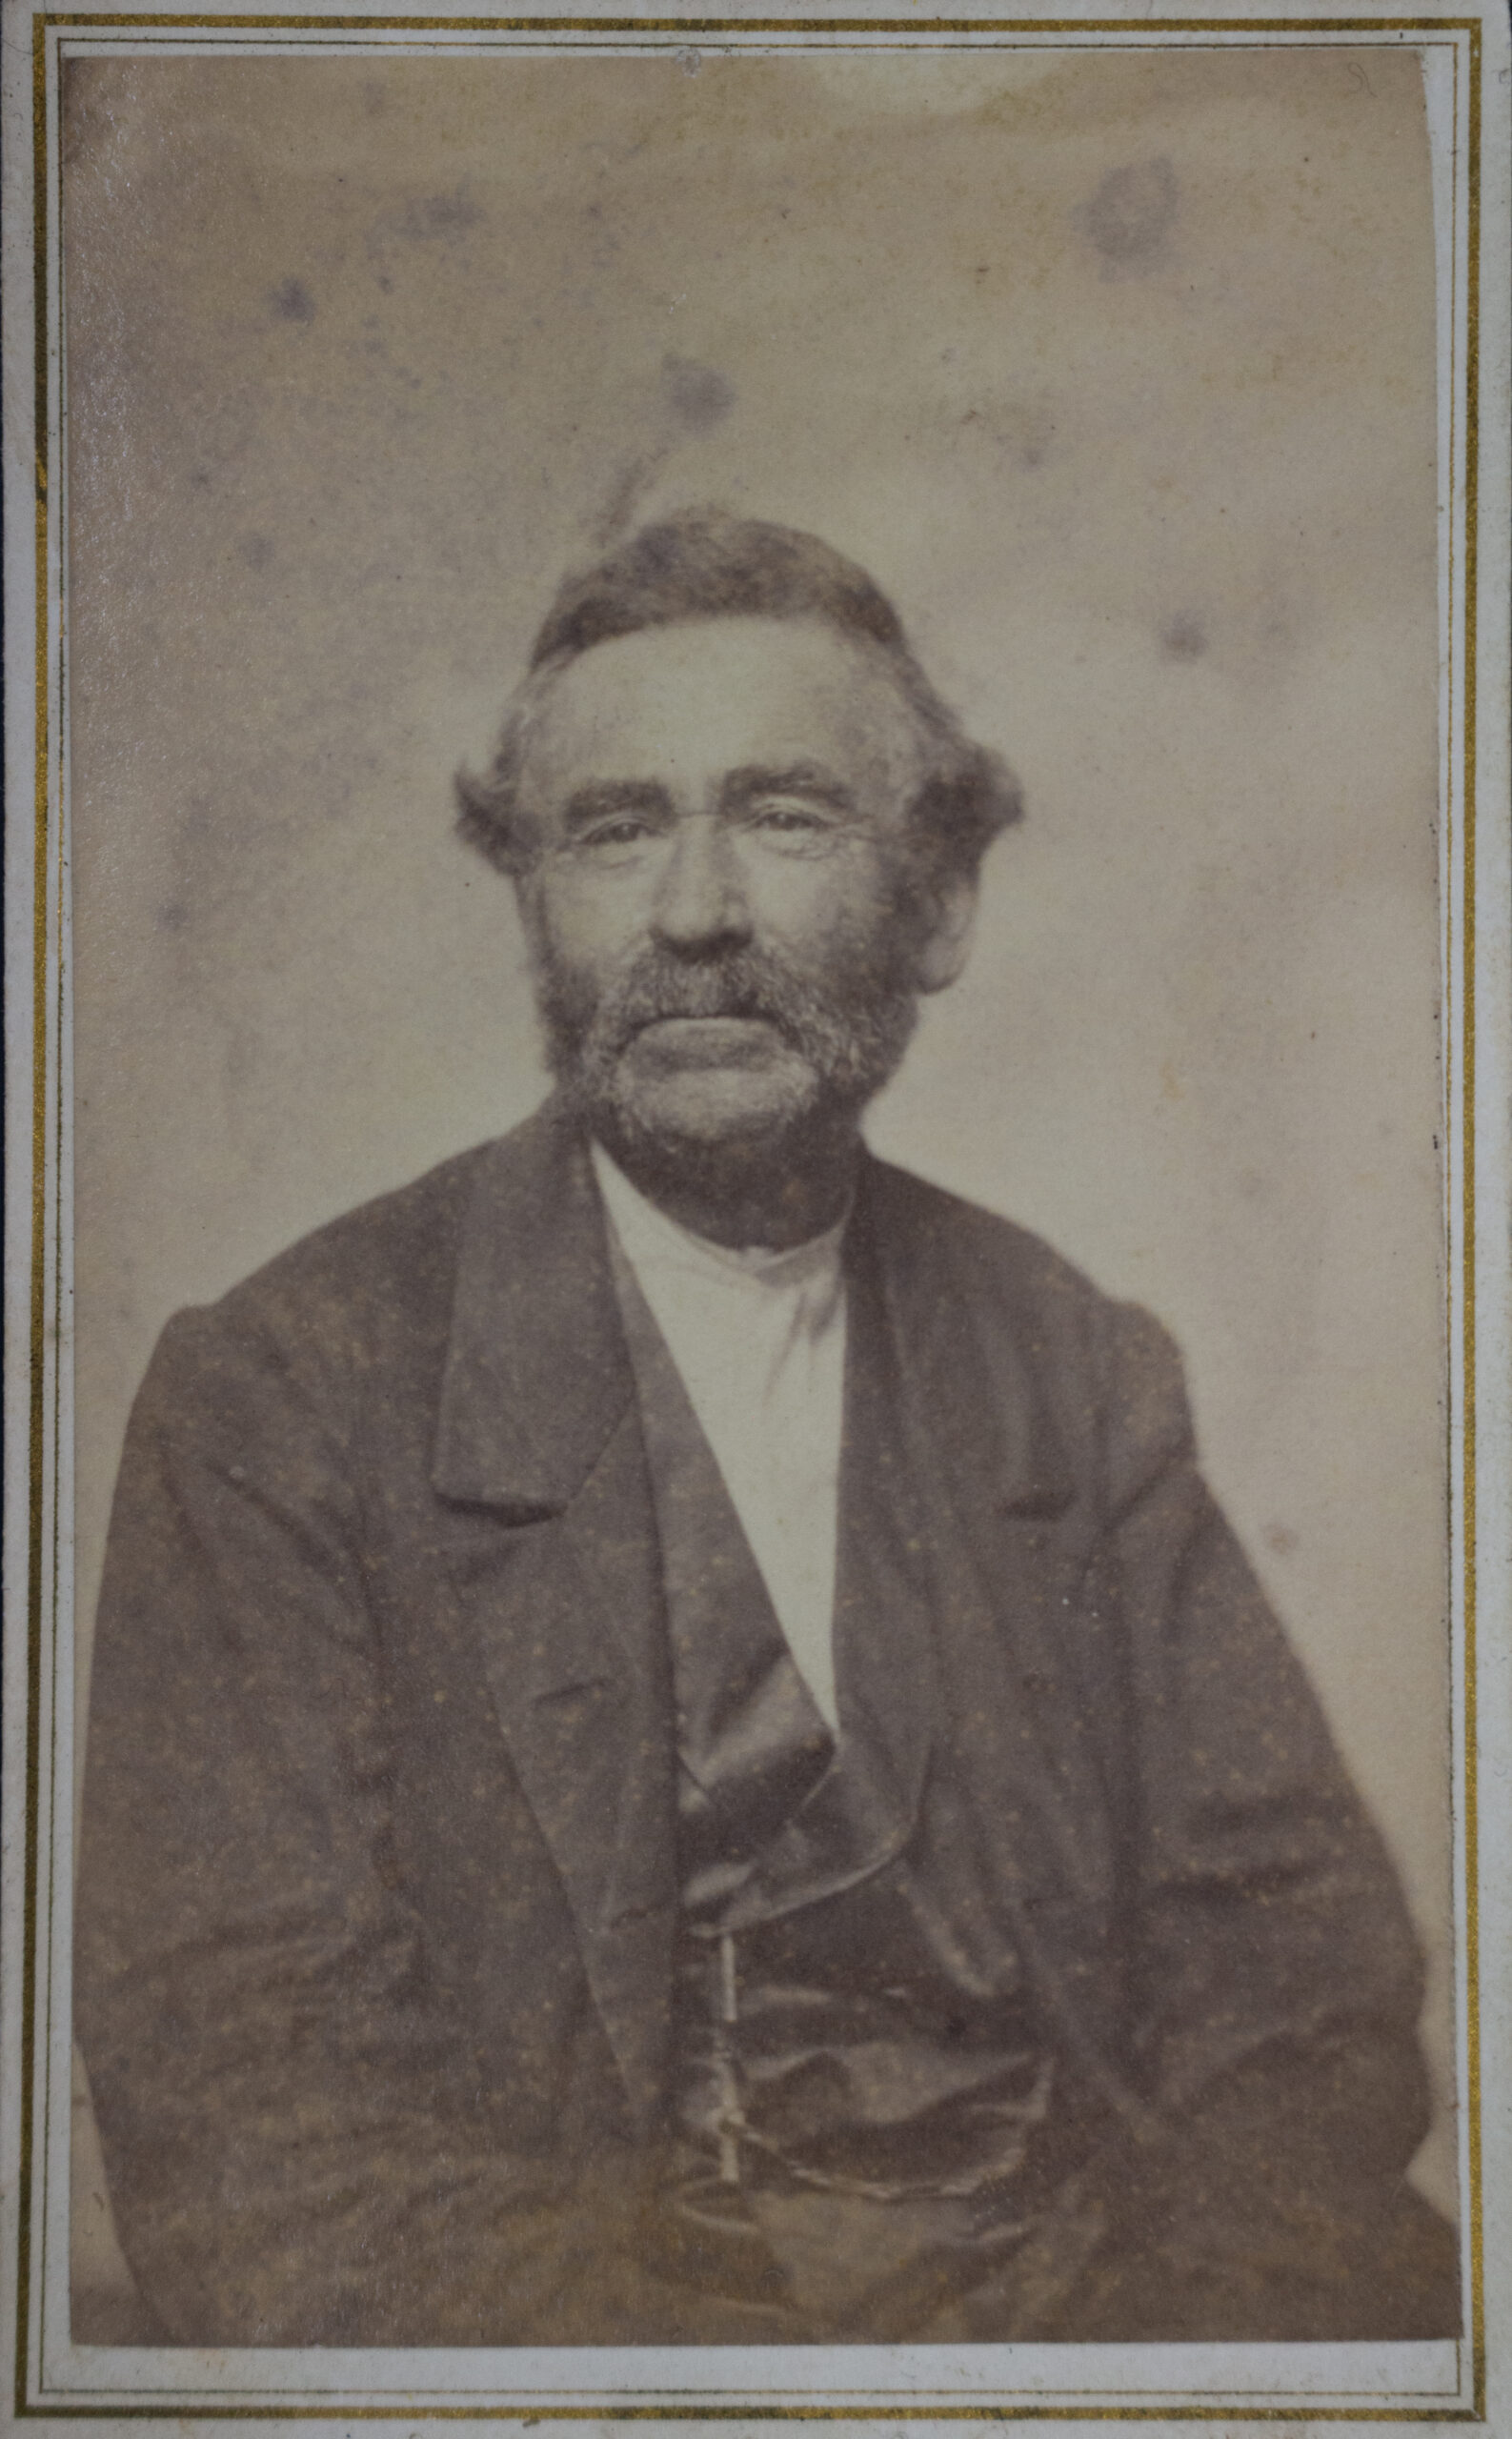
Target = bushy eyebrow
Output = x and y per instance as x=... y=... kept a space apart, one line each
x=792 y=779
x=601 y=798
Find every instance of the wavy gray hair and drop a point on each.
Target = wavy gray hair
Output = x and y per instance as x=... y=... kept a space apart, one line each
x=708 y=564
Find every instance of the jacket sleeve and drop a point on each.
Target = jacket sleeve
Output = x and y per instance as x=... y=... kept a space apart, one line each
x=1275 y=1977
x=294 y=2146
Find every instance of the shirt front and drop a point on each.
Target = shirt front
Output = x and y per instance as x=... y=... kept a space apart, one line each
x=758 y=1338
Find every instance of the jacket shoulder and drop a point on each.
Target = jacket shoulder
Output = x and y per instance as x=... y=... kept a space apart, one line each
x=1107 y=1370
x=353 y=1317
x=367 y=1291
x=355 y=1273
x=1023 y=1269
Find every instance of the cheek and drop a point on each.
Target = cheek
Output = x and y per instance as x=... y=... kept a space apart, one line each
x=845 y=909
x=585 y=925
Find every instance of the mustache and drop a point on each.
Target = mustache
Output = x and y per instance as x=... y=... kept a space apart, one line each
x=849 y=1026
x=749 y=983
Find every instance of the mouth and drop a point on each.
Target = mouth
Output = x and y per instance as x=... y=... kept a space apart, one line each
x=705 y=1042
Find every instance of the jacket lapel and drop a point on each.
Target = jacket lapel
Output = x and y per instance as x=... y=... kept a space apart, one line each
x=551 y=1547
x=996 y=1497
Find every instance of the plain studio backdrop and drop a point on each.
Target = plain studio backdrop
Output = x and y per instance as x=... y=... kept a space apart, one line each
x=1116 y=371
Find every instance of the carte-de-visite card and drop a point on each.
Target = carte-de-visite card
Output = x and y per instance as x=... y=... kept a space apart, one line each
x=757 y=1564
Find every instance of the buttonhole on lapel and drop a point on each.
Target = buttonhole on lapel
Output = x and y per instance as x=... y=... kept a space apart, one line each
x=570 y=1693
x=488 y=1514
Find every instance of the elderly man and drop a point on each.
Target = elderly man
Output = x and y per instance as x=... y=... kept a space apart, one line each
x=679 y=1753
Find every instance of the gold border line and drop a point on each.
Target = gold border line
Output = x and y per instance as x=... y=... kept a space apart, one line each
x=181 y=2409
x=1467 y=1082
x=36 y=1419
x=787 y=24
x=183 y=2406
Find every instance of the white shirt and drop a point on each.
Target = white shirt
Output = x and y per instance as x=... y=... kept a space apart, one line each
x=759 y=1341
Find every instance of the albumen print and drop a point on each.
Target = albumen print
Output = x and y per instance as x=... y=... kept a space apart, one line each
x=746 y=1328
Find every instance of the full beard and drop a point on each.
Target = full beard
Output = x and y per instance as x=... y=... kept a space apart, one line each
x=835 y=1045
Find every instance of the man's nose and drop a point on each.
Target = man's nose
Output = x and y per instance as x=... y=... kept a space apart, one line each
x=701 y=900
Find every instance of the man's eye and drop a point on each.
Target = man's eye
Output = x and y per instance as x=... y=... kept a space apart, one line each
x=626 y=830
x=788 y=819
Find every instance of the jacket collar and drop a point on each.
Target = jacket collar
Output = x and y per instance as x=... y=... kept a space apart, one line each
x=536 y=1374
x=961 y=1333
x=537 y=1377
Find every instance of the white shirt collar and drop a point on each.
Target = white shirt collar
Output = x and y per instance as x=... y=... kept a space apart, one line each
x=654 y=1241
x=759 y=1341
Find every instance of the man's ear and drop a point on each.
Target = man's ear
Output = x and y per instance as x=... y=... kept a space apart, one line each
x=945 y=941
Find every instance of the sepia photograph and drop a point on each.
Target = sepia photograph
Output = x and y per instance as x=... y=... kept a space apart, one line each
x=742 y=1295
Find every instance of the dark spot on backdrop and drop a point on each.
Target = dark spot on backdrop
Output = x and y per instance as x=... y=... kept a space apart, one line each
x=1130 y=216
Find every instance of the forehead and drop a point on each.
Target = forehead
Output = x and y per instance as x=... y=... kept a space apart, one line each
x=685 y=705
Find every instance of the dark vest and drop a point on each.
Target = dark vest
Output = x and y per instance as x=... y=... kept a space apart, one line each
x=861 y=2093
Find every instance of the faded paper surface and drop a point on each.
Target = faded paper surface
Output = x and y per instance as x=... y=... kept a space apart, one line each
x=1116 y=372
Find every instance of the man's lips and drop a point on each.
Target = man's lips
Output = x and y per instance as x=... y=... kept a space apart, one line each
x=704 y=1041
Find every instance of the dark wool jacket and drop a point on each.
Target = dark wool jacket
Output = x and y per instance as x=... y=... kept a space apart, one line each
x=377 y=1891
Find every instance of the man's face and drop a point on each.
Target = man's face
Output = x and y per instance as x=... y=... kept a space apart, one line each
x=726 y=943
